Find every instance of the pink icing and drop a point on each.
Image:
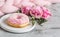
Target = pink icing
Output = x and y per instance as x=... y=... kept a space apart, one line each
x=18 y=18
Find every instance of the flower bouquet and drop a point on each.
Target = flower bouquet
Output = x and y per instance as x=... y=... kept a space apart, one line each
x=37 y=14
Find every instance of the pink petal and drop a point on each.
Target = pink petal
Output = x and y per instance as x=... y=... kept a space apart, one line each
x=1 y=13
x=36 y=12
x=46 y=13
x=25 y=10
x=2 y=2
x=9 y=8
x=17 y=3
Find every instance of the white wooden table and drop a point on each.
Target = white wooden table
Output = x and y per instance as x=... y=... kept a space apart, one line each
x=53 y=24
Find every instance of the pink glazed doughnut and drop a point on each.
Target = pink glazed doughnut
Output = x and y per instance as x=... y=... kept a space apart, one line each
x=18 y=20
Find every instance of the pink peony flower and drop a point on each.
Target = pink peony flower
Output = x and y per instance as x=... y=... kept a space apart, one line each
x=36 y=12
x=25 y=10
x=46 y=13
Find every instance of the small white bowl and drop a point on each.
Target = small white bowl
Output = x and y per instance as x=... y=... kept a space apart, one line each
x=12 y=29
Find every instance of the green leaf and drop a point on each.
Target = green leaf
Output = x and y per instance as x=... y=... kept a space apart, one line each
x=33 y=20
x=40 y=21
x=19 y=11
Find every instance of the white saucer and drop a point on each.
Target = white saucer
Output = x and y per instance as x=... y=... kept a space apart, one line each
x=12 y=29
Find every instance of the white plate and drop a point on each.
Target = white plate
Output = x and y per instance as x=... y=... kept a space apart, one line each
x=12 y=29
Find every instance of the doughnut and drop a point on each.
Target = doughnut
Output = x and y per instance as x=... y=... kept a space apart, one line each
x=18 y=20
